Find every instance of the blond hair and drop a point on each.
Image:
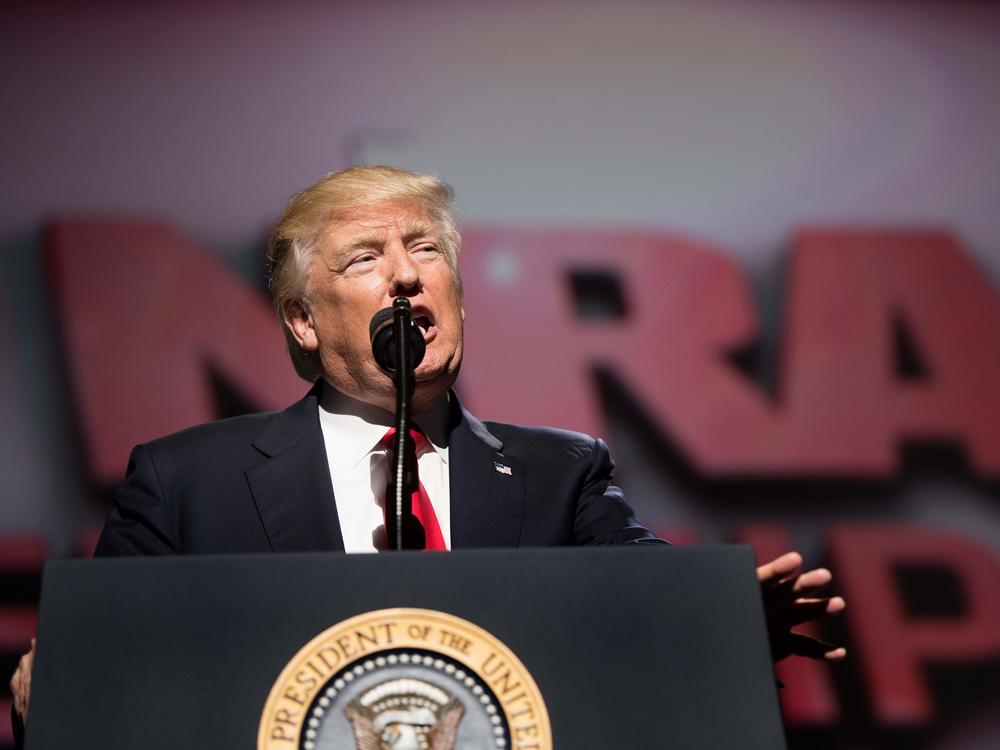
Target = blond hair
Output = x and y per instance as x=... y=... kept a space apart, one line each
x=330 y=199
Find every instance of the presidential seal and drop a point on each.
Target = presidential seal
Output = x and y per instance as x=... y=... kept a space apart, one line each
x=404 y=679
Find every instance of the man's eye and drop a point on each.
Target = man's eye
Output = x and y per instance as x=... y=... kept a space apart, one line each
x=427 y=249
x=361 y=259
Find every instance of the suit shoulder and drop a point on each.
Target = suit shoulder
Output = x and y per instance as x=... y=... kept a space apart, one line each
x=516 y=437
x=242 y=429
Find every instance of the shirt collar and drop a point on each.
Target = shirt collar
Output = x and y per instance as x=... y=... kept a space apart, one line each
x=354 y=429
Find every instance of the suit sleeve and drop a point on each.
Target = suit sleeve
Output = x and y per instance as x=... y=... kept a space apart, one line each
x=602 y=515
x=141 y=521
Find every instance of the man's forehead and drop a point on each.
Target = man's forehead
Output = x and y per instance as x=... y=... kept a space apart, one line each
x=404 y=218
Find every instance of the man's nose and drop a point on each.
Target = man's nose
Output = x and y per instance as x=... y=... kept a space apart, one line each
x=403 y=271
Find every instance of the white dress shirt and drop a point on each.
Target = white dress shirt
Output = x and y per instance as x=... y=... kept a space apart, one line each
x=352 y=432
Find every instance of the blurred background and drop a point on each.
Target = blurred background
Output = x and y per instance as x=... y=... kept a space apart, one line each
x=755 y=245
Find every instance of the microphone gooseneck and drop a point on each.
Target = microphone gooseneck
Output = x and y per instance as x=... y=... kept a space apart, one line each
x=398 y=347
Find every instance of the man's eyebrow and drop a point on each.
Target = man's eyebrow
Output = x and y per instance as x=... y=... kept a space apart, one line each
x=377 y=239
x=418 y=229
x=373 y=240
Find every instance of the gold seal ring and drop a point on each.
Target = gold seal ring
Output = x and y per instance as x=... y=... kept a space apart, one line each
x=393 y=674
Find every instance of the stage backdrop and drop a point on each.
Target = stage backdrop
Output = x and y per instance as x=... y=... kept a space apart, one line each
x=754 y=245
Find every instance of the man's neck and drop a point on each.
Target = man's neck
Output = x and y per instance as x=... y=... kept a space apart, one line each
x=434 y=421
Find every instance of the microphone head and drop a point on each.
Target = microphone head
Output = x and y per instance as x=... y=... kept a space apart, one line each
x=379 y=320
x=382 y=333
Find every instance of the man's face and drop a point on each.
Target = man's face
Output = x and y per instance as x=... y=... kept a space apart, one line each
x=380 y=252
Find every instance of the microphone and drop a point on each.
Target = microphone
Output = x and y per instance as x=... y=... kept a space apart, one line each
x=398 y=347
x=383 y=335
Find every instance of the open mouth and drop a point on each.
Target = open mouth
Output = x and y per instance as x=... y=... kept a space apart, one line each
x=423 y=320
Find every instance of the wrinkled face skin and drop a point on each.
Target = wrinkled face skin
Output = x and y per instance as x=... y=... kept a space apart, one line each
x=380 y=252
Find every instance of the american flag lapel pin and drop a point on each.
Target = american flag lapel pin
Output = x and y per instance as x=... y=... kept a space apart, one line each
x=502 y=469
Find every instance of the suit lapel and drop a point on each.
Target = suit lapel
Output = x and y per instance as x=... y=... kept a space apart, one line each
x=291 y=487
x=487 y=488
x=294 y=496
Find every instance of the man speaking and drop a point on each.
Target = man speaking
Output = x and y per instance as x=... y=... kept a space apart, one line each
x=313 y=476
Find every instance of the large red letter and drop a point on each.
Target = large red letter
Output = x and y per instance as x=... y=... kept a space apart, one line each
x=890 y=646
x=849 y=409
x=144 y=314
x=841 y=408
x=529 y=358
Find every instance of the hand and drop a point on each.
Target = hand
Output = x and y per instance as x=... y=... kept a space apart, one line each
x=787 y=603
x=20 y=683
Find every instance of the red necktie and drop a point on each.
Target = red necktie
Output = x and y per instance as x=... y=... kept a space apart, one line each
x=421 y=506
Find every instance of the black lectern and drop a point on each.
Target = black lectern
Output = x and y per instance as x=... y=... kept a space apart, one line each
x=609 y=648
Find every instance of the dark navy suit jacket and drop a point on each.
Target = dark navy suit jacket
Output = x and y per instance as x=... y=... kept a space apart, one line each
x=261 y=483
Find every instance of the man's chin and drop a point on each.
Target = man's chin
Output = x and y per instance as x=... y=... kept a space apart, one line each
x=430 y=371
x=427 y=376
x=435 y=381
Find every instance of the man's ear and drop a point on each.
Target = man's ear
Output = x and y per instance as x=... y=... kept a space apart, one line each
x=299 y=322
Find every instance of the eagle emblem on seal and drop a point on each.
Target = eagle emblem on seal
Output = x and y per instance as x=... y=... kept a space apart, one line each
x=405 y=714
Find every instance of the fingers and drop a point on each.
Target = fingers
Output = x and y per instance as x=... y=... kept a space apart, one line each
x=836 y=605
x=800 y=644
x=786 y=567
x=779 y=568
x=789 y=600
x=785 y=591
x=784 y=642
x=812 y=579
x=17 y=687
x=20 y=683
x=806 y=610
